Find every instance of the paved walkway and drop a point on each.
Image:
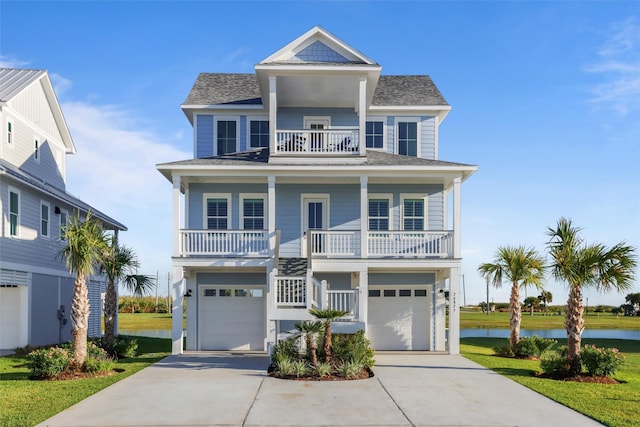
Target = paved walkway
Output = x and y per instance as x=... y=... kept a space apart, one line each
x=227 y=389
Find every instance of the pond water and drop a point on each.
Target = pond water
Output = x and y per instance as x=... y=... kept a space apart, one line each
x=624 y=334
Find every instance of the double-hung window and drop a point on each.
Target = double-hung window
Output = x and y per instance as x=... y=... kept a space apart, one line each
x=45 y=212
x=217 y=211
x=374 y=134
x=258 y=132
x=253 y=211
x=407 y=137
x=227 y=131
x=14 y=212
x=379 y=212
x=413 y=212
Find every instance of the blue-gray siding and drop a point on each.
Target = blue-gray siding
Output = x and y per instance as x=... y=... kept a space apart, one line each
x=204 y=136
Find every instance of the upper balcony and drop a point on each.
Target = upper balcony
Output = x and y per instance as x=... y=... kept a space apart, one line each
x=318 y=142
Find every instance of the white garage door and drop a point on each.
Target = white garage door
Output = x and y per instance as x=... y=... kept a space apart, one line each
x=232 y=318
x=399 y=318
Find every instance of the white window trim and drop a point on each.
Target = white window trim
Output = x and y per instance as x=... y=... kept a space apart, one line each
x=387 y=196
x=48 y=231
x=424 y=197
x=307 y=119
x=262 y=196
x=14 y=190
x=206 y=196
x=400 y=119
x=319 y=196
x=63 y=213
x=37 y=148
x=248 y=133
x=382 y=119
x=217 y=119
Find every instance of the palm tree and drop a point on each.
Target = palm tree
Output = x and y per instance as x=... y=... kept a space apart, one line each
x=520 y=266
x=327 y=315
x=309 y=330
x=85 y=241
x=545 y=297
x=581 y=266
x=119 y=263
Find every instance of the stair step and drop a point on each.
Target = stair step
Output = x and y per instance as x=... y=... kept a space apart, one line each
x=292 y=266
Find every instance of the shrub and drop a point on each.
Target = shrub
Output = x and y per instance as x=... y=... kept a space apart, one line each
x=288 y=348
x=350 y=369
x=300 y=368
x=48 y=362
x=98 y=360
x=353 y=348
x=323 y=369
x=601 y=361
x=284 y=365
x=533 y=346
x=125 y=347
x=503 y=350
x=555 y=364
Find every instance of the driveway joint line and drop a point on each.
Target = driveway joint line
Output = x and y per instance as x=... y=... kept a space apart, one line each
x=253 y=401
x=395 y=403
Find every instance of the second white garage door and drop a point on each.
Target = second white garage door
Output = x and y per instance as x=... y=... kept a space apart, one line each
x=232 y=318
x=399 y=318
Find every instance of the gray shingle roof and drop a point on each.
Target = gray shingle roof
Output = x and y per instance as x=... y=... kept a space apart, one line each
x=19 y=175
x=221 y=88
x=218 y=89
x=407 y=90
x=14 y=80
x=260 y=157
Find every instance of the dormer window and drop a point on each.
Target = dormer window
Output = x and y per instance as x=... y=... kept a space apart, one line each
x=407 y=137
x=227 y=136
x=375 y=134
x=258 y=133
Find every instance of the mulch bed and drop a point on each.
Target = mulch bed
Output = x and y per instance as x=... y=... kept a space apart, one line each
x=364 y=374
x=582 y=378
x=75 y=375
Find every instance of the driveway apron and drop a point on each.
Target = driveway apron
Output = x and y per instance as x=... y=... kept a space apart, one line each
x=228 y=389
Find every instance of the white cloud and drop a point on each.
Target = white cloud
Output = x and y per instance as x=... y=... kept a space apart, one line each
x=6 y=62
x=115 y=171
x=60 y=84
x=619 y=65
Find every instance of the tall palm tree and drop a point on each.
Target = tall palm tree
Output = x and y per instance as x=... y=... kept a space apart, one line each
x=327 y=316
x=120 y=263
x=309 y=330
x=85 y=241
x=581 y=266
x=520 y=266
x=545 y=297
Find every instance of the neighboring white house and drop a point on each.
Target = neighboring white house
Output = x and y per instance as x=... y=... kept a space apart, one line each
x=316 y=182
x=35 y=285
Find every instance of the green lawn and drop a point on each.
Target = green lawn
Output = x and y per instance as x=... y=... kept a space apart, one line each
x=476 y=319
x=25 y=402
x=139 y=321
x=613 y=405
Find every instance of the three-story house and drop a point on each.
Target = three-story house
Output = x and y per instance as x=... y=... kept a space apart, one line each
x=316 y=183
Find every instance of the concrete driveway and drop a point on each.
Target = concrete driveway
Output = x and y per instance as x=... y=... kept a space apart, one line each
x=228 y=389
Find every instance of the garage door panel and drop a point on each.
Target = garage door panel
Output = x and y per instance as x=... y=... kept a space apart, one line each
x=233 y=321
x=399 y=319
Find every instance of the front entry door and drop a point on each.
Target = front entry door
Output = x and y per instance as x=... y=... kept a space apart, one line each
x=314 y=218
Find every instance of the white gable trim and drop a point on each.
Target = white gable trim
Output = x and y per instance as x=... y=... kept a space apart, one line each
x=314 y=34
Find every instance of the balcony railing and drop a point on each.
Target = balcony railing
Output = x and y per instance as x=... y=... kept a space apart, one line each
x=398 y=244
x=338 y=142
x=224 y=242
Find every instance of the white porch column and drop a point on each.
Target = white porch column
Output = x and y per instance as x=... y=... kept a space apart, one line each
x=273 y=113
x=457 y=224
x=177 y=186
x=440 y=314
x=364 y=217
x=454 y=311
x=177 y=292
x=362 y=116
x=271 y=214
x=363 y=298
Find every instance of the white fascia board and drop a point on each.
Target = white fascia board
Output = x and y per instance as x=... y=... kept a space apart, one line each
x=56 y=110
x=294 y=69
x=440 y=110
x=223 y=107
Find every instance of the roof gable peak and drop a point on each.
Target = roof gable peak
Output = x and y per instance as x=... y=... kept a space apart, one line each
x=318 y=46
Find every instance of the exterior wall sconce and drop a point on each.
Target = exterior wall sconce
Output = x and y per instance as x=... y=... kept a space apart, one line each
x=188 y=294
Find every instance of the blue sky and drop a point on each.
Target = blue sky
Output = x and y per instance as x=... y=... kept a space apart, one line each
x=545 y=100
